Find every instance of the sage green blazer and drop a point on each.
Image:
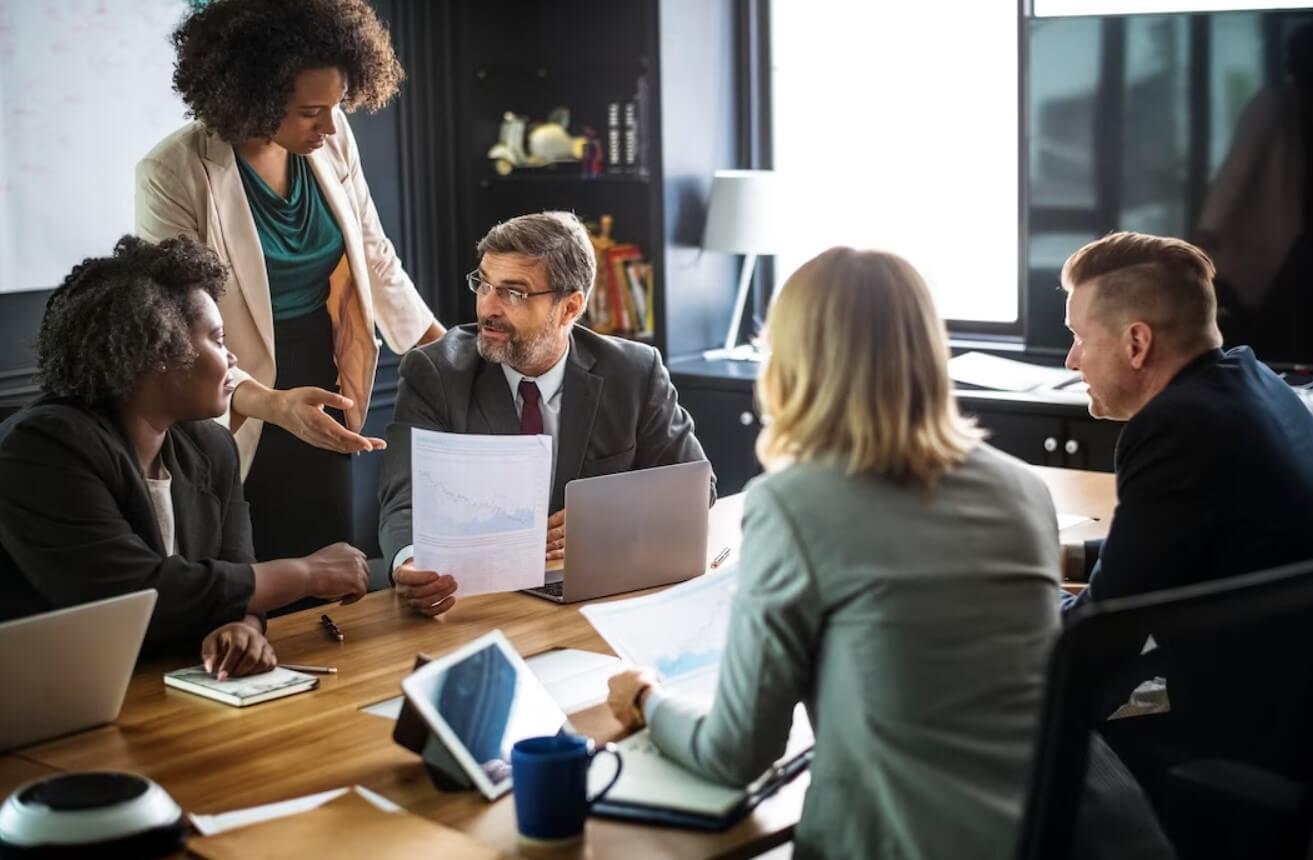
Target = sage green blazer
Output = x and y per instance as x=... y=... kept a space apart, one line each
x=915 y=626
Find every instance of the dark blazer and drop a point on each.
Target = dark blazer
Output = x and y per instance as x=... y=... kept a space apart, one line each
x=76 y=523
x=1215 y=479
x=618 y=412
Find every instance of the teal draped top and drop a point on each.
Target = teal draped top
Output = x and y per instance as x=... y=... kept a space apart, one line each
x=302 y=242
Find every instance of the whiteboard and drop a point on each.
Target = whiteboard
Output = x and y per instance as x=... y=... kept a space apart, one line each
x=86 y=90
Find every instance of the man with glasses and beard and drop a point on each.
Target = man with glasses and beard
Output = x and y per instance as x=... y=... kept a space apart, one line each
x=524 y=367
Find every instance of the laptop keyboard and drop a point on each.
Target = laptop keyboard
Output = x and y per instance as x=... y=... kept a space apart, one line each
x=555 y=589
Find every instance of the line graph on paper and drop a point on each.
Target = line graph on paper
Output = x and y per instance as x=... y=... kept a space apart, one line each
x=479 y=508
x=468 y=505
x=477 y=488
x=680 y=632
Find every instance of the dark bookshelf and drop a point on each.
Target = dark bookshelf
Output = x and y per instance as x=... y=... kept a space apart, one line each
x=674 y=61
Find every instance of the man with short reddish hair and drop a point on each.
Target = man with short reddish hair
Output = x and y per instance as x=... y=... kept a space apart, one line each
x=1215 y=464
x=1214 y=479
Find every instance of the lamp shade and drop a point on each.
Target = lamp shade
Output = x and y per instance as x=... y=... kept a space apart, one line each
x=741 y=218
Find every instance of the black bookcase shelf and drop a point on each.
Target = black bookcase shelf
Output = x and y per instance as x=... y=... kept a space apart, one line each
x=675 y=62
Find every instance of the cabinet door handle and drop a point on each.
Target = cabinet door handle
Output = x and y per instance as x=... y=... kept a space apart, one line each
x=746 y=419
x=1072 y=447
x=1050 y=444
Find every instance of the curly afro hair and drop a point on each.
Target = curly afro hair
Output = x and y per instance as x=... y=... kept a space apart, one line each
x=238 y=60
x=114 y=318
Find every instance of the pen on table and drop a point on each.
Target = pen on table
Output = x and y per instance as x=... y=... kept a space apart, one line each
x=720 y=557
x=314 y=670
x=331 y=628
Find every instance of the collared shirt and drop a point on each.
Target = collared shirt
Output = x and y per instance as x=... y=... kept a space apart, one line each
x=550 y=385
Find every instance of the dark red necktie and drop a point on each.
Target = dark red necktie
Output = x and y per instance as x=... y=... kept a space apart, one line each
x=531 y=417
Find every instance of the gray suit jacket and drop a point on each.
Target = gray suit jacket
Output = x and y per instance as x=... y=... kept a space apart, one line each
x=618 y=412
x=915 y=627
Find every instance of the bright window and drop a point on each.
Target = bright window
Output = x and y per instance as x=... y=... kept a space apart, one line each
x=895 y=127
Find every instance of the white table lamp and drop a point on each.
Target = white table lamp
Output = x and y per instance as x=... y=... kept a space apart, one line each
x=741 y=219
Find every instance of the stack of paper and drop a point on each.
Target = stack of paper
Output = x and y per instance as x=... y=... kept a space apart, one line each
x=1005 y=374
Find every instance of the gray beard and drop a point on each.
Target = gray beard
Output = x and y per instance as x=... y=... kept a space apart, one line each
x=516 y=351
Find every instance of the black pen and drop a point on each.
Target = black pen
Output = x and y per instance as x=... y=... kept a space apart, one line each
x=331 y=628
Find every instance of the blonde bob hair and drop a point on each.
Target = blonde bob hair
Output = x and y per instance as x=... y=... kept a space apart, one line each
x=857 y=374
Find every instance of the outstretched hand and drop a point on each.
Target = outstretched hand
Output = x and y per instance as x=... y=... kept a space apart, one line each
x=300 y=411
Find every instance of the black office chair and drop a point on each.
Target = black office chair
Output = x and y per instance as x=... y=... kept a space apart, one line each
x=1216 y=801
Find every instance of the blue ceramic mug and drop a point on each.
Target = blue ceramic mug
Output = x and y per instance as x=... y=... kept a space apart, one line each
x=549 y=776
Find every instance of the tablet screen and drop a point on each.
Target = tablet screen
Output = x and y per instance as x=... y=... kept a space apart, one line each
x=489 y=703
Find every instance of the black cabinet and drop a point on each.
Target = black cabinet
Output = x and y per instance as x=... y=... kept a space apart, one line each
x=727 y=426
x=1043 y=431
x=719 y=396
x=1046 y=439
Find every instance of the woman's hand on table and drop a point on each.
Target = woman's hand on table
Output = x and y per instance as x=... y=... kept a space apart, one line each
x=627 y=692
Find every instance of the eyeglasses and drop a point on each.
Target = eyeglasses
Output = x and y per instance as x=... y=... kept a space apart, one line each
x=510 y=295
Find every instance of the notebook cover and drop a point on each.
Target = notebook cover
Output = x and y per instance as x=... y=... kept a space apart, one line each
x=241 y=692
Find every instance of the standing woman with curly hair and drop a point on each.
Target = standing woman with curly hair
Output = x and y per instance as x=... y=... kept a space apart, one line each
x=269 y=177
x=117 y=478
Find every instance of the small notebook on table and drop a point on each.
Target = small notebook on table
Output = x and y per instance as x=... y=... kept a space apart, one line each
x=241 y=692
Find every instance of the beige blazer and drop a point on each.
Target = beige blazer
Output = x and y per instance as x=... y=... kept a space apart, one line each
x=189 y=185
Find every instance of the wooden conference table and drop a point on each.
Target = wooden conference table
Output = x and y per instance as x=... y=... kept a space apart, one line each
x=213 y=758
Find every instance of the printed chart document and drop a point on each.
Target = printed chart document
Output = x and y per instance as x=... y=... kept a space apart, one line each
x=479 y=507
x=679 y=632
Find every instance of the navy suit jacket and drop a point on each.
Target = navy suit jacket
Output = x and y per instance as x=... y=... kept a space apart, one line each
x=1215 y=479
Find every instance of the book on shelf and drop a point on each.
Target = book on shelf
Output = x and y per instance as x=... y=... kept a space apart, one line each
x=614 y=159
x=638 y=273
x=625 y=317
x=621 y=301
x=240 y=692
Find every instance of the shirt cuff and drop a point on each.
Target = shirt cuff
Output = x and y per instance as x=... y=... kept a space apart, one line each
x=405 y=554
x=651 y=703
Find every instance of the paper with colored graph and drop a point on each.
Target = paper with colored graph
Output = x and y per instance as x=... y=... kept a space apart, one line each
x=679 y=632
x=479 y=508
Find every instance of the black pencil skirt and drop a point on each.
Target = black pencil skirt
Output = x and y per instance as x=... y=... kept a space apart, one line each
x=300 y=495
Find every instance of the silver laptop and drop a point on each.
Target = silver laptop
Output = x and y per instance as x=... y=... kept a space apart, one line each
x=632 y=530
x=69 y=668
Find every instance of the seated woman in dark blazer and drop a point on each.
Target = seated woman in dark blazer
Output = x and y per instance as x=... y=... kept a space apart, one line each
x=115 y=479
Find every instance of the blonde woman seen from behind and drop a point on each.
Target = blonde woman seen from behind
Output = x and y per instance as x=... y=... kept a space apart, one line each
x=898 y=576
